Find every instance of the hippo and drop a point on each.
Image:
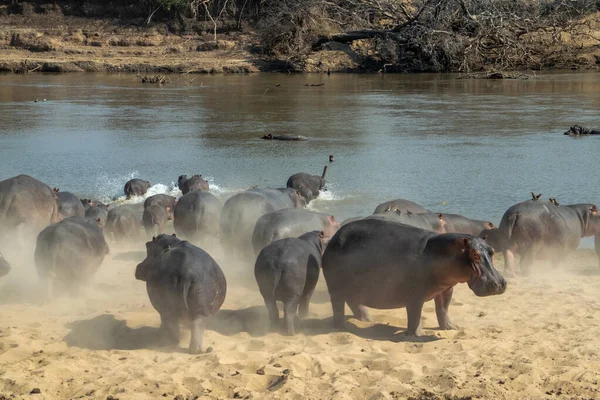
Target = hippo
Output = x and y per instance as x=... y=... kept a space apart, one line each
x=293 y=138
x=542 y=230
x=577 y=130
x=123 y=223
x=182 y=281
x=197 y=216
x=86 y=203
x=287 y=270
x=308 y=185
x=494 y=238
x=136 y=187
x=69 y=205
x=290 y=222
x=429 y=221
x=69 y=253
x=26 y=204
x=383 y=264
x=154 y=219
x=163 y=200
x=456 y=223
x=241 y=211
x=4 y=266
x=196 y=182
x=402 y=205
x=98 y=214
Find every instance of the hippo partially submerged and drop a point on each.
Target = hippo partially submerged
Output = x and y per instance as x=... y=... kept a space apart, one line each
x=402 y=205
x=295 y=138
x=577 y=130
x=136 y=187
x=308 y=185
x=196 y=182
x=381 y=264
x=183 y=281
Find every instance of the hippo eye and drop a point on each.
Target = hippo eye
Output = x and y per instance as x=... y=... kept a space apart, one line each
x=492 y=252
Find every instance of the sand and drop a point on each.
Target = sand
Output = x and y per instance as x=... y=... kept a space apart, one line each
x=539 y=340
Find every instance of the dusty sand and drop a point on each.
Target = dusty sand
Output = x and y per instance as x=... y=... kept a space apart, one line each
x=539 y=340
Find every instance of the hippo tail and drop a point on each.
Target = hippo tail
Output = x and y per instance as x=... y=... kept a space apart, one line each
x=186 y=290
x=512 y=220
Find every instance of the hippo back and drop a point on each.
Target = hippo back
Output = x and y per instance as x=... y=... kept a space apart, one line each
x=124 y=223
x=197 y=214
x=402 y=205
x=69 y=205
x=25 y=200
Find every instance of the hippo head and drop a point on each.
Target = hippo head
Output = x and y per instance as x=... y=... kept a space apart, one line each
x=575 y=130
x=592 y=226
x=331 y=226
x=318 y=238
x=154 y=249
x=181 y=180
x=4 y=266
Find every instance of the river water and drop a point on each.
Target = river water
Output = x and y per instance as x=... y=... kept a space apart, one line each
x=473 y=147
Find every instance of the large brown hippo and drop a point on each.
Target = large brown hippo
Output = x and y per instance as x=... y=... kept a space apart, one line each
x=537 y=229
x=196 y=182
x=308 y=185
x=136 y=187
x=69 y=253
x=26 y=204
x=183 y=282
x=290 y=222
x=241 y=211
x=381 y=264
x=402 y=205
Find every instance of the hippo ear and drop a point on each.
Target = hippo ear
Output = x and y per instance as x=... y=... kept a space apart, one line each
x=484 y=236
x=98 y=220
x=491 y=225
x=331 y=218
x=321 y=234
x=440 y=216
x=174 y=235
x=154 y=238
x=466 y=243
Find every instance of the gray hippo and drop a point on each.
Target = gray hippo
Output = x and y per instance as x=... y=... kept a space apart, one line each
x=4 y=266
x=381 y=264
x=86 y=203
x=196 y=182
x=542 y=230
x=69 y=205
x=308 y=185
x=183 y=281
x=287 y=270
x=577 y=130
x=429 y=221
x=163 y=200
x=136 y=187
x=290 y=222
x=456 y=223
x=294 y=138
x=154 y=219
x=494 y=238
x=123 y=223
x=241 y=211
x=402 y=205
x=98 y=214
x=197 y=216
x=26 y=204
x=69 y=253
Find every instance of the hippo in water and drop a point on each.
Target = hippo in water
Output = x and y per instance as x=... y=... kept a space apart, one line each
x=577 y=130
x=196 y=182
x=241 y=211
x=183 y=281
x=402 y=205
x=287 y=270
x=197 y=216
x=69 y=253
x=542 y=230
x=381 y=264
x=308 y=185
x=136 y=187
x=26 y=204
x=69 y=205
x=294 y=138
x=123 y=223
x=290 y=222
x=4 y=266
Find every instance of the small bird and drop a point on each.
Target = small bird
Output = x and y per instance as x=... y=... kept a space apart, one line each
x=534 y=197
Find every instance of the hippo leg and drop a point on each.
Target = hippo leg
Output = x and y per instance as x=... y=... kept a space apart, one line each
x=170 y=330
x=360 y=312
x=509 y=263
x=289 y=313
x=597 y=246
x=526 y=261
x=197 y=335
x=273 y=313
x=338 y=305
x=413 y=310
x=442 y=303
x=304 y=304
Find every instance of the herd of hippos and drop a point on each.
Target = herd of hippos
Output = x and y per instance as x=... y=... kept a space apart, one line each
x=402 y=255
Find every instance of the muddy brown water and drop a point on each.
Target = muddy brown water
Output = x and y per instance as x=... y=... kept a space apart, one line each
x=473 y=147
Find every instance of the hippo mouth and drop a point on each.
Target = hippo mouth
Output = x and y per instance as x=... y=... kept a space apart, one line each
x=485 y=285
